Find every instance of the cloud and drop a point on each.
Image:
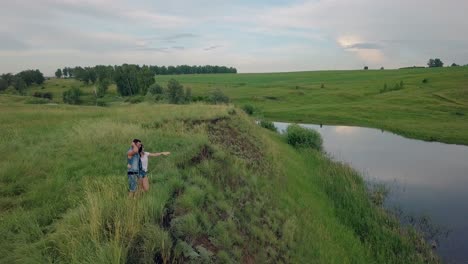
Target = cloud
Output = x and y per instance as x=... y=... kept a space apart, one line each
x=398 y=29
x=364 y=46
x=154 y=19
x=181 y=36
x=10 y=42
x=212 y=47
x=152 y=49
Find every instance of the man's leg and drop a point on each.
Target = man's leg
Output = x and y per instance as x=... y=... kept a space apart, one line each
x=132 y=186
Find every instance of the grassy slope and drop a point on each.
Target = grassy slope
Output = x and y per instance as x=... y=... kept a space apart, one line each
x=231 y=191
x=436 y=110
x=58 y=86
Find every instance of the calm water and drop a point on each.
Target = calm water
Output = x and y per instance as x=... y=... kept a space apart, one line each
x=425 y=178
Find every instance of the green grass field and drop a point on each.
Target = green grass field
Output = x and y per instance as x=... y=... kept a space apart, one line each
x=230 y=192
x=435 y=110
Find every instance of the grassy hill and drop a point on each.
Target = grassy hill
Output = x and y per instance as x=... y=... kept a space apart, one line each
x=230 y=192
x=432 y=103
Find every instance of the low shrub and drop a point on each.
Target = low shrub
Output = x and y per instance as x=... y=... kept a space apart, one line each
x=248 y=109
x=37 y=101
x=175 y=92
x=218 y=97
x=101 y=103
x=134 y=99
x=425 y=80
x=396 y=87
x=303 y=137
x=72 y=96
x=155 y=89
x=46 y=95
x=268 y=125
x=200 y=98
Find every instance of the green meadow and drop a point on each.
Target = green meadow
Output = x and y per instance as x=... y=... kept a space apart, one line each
x=230 y=192
x=424 y=103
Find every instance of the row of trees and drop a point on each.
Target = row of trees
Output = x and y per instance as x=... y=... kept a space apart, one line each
x=186 y=69
x=20 y=81
x=92 y=73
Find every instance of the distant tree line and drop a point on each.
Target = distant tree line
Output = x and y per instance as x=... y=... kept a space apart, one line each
x=132 y=79
x=186 y=69
x=17 y=83
x=90 y=74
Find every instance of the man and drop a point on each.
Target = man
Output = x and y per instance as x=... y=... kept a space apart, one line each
x=133 y=167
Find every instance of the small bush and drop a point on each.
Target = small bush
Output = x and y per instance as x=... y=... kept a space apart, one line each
x=37 y=101
x=101 y=87
x=218 y=97
x=134 y=99
x=72 y=96
x=10 y=90
x=249 y=109
x=101 y=103
x=200 y=98
x=268 y=125
x=396 y=87
x=302 y=137
x=322 y=85
x=155 y=89
x=425 y=80
x=188 y=95
x=46 y=95
x=175 y=92
x=155 y=93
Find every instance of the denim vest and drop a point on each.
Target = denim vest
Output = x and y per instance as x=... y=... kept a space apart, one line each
x=134 y=163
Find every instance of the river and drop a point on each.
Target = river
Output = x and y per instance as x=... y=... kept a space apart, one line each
x=424 y=178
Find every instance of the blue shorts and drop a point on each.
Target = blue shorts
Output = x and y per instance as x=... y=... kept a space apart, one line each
x=142 y=174
x=132 y=182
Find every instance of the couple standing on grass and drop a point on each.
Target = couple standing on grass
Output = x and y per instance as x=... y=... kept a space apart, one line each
x=137 y=167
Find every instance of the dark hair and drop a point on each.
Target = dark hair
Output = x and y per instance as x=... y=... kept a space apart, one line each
x=140 y=150
x=136 y=141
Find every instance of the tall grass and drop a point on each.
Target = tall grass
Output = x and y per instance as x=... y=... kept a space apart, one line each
x=228 y=193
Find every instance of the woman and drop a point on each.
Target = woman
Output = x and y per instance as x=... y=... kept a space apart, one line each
x=143 y=180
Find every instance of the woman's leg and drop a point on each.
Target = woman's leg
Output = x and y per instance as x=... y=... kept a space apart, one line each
x=145 y=184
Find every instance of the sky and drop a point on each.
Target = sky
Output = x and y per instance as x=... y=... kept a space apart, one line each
x=252 y=36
